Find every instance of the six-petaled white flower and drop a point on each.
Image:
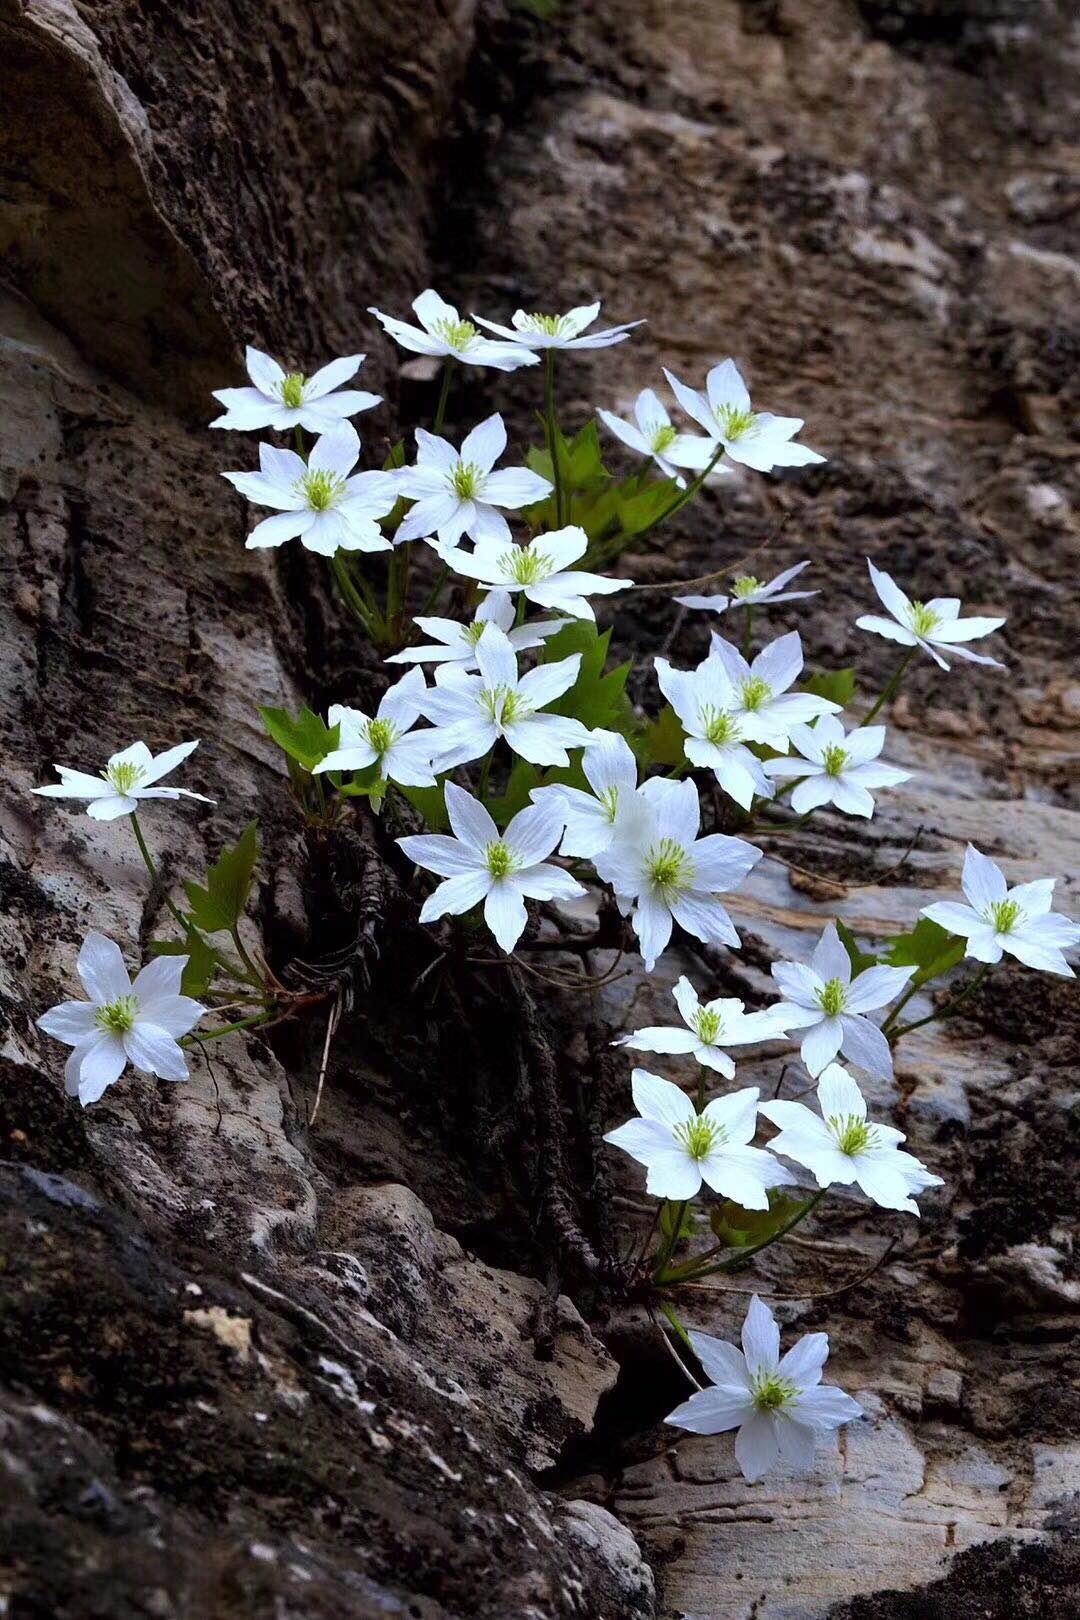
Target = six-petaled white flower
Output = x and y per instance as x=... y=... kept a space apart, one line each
x=710 y=1026
x=122 y=1023
x=321 y=501
x=778 y=1404
x=502 y=870
x=663 y=873
x=540 y=570
x=760 y=697
x=443 y=332
x=286 y=400
x=591 y=819
x=935 y=626
x=456 y=492
x=708 y=708
x=559 y=331
x=748 y=592
x=129 y=776
x=455 y=643
x=385 y=740
x=836 y=767
x=681 y=1148
x=652 y=434
x=840 y=1145
x=755 y=438
x=824 y=1000
x=998 y=919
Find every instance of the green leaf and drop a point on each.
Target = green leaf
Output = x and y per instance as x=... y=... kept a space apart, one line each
x=838 y=685
x=860 y=959
x=228 y=883
x=660 y=741
x=597 y=698
x=686 y=1223
x=431 y=804
x=523 y=778
x=929 y=948
x=307 y=738
x=202 y=961
x=740 y=1228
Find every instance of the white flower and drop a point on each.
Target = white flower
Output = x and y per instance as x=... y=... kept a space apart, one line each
x=750 y=592
x=709 y=1028
x=591 y=819
x=317 y=500
x=129 y=776
x=930 y=625
x=122 y=1022
x=560 y=331
x=539 y=569
x=762 y=702
x=829 y=1004
x=501 y=869
x=667 y=874
x=402 y=755
x=280 y=400
x=839 y=1145
x=681 y=1148
x=836 y=767
x=471 y=712
x=998 y=919
x=708 y=708
x=779 y=1405
x=442 y=331
x=457 y=493
x=455 y=643
x=654 y=436
x=755 y=438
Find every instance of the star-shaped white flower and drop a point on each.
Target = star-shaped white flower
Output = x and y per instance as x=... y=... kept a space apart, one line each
x=840 y=1145
x=748 y=592
x=830 y=1005
x=591 y=819
x=998 y=919
x=560 y=331
x=402 y=755
x=652 y=434
x=761 y=700
x=836 y=767
x=455 y=643
x=321 y=501
x=663 y=873
x=129 y=776
x=443 y=332
x=708 y=708
x=471 y=712
x=122 y=1022
x=456 y=492
x=778 y=1404
x=285 y=400
x=935 y=626
x=540 y=569
x=755 y=438
x=681 y=1148
x=501 y=870
x=709 y=1028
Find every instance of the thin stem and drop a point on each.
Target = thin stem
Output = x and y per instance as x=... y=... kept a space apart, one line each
x=552 y=430
x=436 y=589
x=349 y=592
x=667 y=1248
x=684 y=497
x=746 y=631
x=680 y=1331
x=742 y=1256
x=912 y=990
x=226 y=1029
x=891 y=687
x=298 y=439
x=252 y=971
x=947 y=1010
x=485 y=772
x=148 y=859
x=444 y=395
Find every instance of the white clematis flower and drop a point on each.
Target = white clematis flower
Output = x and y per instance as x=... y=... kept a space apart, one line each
x=559 y=331
x=998 y=919
x=321 y=501
x=471 y=712
x=935 y=626
x=402 y=755
x=749 y=592
x=663 y=873
x=456 y=492
x=709 y=1028
x=455 y=643
x=592 y=819
x=652 y=434
x=841 y=1146
x=762 y=703
x=122 y=1022
x=539 y=569
x=286 y=400
x=778 y=1404
x=830 y=1005
x=836 y=767
x=681 y=1148
x=755 y=438
x=708 y=709
x=443 y=332
x=501 y=870
x=129 y=776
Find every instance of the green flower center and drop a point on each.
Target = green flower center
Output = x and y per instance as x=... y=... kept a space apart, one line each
x=525 y=565
x=734 y=423
x=292 y=390
x=924 y=621
x=770 y=1392
x=124 y=776
x=831 y=997
x=456 y=334
x=663 y=438
x=500 y=859
x=466 y=479
x=381 y=734
x=668 y=866
x=1004 y=914
x=321 y=489
x=117 y=1017
x=708 y=1025
x=699 y=1136
x=550 y=325
x=718 y=727
x=853 y=1135
x=746 y=586
x=502 y=705
x=609 y=798
x=834 y=760
x=755 y=692
x=474 y=631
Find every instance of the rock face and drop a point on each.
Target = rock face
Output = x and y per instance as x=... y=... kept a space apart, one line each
x=251 y=1368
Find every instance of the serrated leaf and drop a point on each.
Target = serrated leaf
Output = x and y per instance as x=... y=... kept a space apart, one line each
x=860 y=959
x=739 y=1228
x=660 y=741
x=598 y=697
x=522 y=779
x=306 y=738
x=929 y=948
x=220 y=905
x=838 y=685
x=431 y=803
x=203 y=961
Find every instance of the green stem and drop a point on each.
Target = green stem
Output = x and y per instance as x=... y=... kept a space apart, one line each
x=252 y=971
x=683 y=498
x=552 y=430
x=668 y=1312
x=912 y=990
x=947 y=1010
x=694 y=1269
x=444 y=395
x=185 y=922
x=436 y=589
x=352 y=593
x=667 y=1248
x=485 y=772
x=298 y=439
x=891 y=688
x=746 y=631
x=226 y=1029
